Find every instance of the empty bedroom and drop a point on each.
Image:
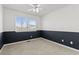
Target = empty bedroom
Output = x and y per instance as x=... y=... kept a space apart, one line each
x=39 y=29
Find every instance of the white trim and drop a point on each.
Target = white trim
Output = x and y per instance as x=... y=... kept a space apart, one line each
x=62 y=45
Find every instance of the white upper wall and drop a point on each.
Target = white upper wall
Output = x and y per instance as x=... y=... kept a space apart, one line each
x=10 y=16
x=1 y=18
x=65 y=19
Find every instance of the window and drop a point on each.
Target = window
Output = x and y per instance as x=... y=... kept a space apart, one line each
x=25 y=24
x=32 y=25
x=18 y=24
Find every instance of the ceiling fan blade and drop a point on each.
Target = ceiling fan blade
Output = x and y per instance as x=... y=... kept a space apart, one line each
x=31 y=5
x=29 y=9
x=33 y=10
x=40 y=8
x=38 y=5
x=35 y=5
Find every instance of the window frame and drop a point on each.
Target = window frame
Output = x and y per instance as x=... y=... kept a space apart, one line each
x=27 y=24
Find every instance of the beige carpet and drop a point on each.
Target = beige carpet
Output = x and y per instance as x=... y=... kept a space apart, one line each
x=38 y=46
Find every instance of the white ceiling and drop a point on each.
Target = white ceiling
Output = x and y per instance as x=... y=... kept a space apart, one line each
x=46 y=8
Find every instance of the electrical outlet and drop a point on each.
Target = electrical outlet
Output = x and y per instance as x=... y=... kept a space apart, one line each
x=71 y=42
x=31 y=36
x=62 y=40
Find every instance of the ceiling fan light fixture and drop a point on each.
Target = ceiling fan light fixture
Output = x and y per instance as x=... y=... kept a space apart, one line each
x=34 y=10
x=37 y=10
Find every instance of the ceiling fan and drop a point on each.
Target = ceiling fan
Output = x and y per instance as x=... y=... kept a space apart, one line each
x=35 y=8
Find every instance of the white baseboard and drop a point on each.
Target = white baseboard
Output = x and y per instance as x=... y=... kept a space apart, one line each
x=62 y=45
